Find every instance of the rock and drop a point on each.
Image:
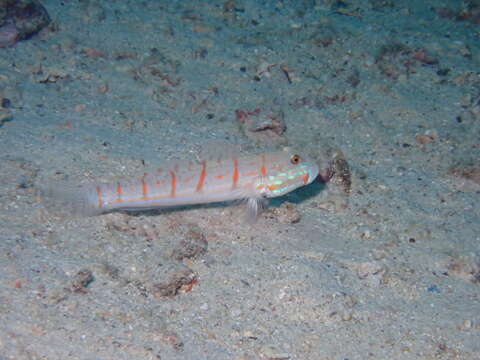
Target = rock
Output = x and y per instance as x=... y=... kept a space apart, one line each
x=21 y=19
x=9 y=35
x=262 y=126
x=191 y=243
x=5 y=115
x=465 y=267
x=171 y=280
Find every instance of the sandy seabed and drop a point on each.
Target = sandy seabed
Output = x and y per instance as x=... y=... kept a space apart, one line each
x=384 y=267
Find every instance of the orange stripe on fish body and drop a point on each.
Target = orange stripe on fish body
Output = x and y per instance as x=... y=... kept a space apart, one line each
x=263 y=169
x=203 y=175
x=173 y=191
x=236 y=174
x=119 y=191
x=99 y=195
x=145 y=187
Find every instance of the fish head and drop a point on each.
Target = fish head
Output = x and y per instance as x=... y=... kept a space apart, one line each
x=287 y=171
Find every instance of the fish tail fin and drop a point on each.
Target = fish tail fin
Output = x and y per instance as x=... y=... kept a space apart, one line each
x=65 y=198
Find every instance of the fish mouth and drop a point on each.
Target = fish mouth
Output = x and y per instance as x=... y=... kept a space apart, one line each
x=311 y=174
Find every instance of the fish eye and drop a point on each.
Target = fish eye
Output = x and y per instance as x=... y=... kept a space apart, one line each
x=295 y=159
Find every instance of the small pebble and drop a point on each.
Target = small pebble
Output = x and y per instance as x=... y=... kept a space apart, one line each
x=365 y=232
x=236 y=312
x=287 y=213
x=6 y=103
x=81 y=280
